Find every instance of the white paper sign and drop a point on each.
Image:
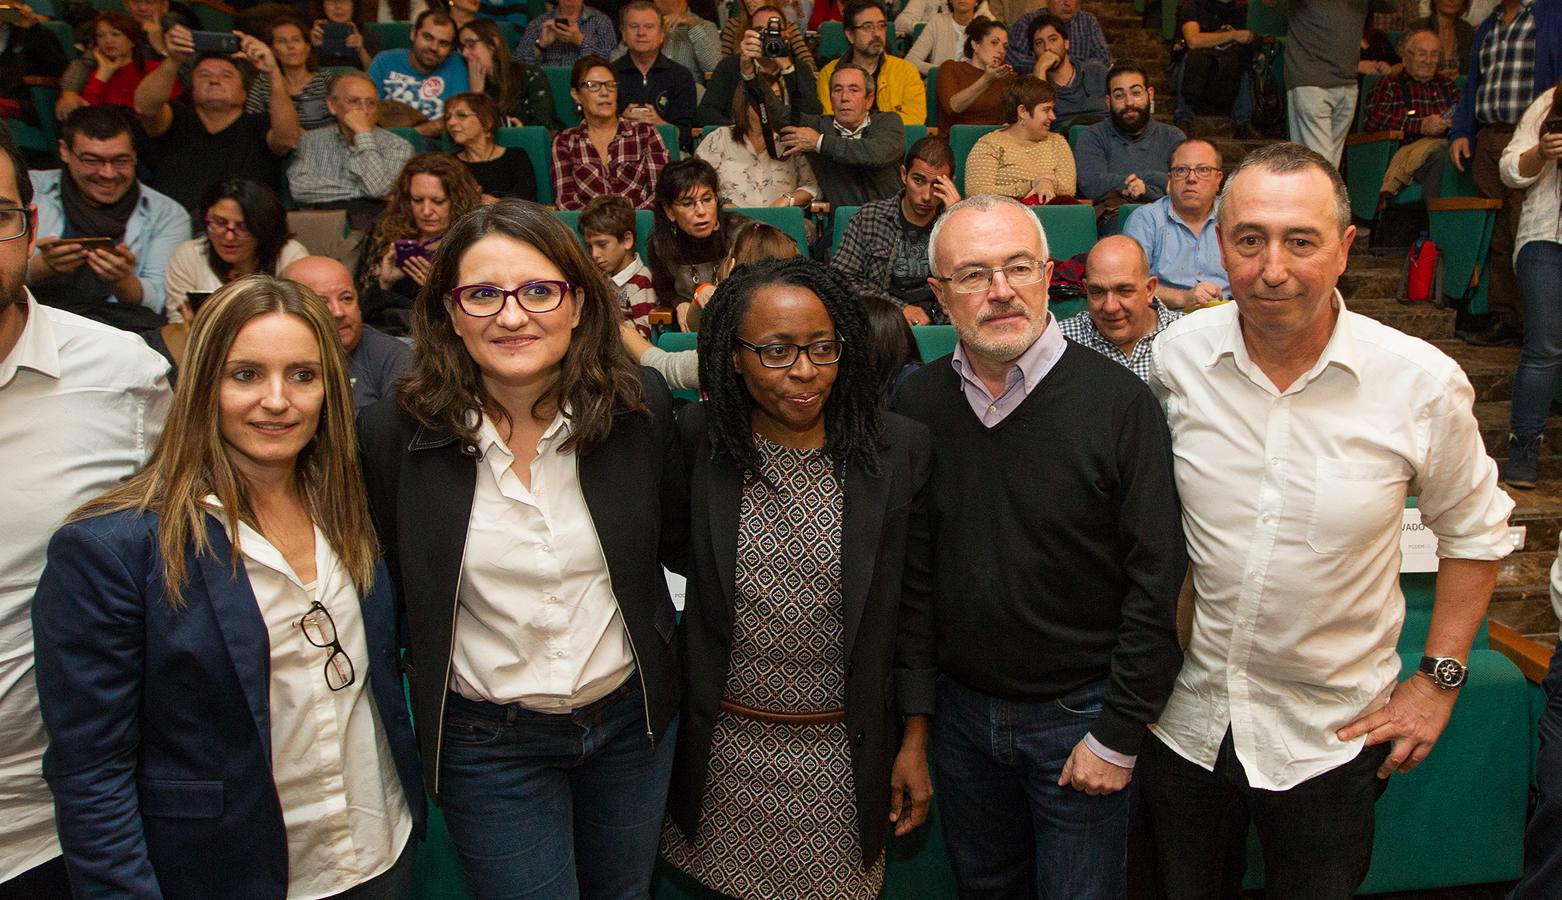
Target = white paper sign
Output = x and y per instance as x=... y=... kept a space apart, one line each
x=1417 y=544
x=676 y=585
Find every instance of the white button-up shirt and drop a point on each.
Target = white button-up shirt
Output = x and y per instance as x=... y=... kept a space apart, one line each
x=1292 y=507
x=81 y=407
x=342 y=802
x=537 y=622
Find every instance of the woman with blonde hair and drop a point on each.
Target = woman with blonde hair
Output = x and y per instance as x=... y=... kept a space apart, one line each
x=217 y=659
x=432 y=191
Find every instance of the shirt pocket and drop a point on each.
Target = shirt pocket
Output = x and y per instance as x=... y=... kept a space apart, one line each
x=180 y=799
x=1354 y=502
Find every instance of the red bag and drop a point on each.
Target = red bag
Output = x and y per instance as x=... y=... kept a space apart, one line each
x=1422 y=278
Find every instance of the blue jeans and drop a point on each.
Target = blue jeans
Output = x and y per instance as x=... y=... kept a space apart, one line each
x=1011 y=831
x=555 y=807
x=1540 y=271
x=1543 y=835
x=1241 y=107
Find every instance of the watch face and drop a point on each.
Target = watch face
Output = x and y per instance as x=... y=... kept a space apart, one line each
x=1448 y=671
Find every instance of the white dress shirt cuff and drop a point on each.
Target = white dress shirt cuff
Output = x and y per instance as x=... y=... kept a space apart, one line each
x=1121 y=760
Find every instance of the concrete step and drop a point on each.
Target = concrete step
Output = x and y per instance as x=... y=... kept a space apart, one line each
x=1494 y=421
x=1420 y=320
x=1490 y=369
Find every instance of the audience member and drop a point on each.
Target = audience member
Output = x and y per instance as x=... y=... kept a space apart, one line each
x=239 y=565
x=375 y=360
x=26 y=51
x=944 y=36
x=855 y=154
x=1517 y=54
x=749 y=175
x=425 y=75
x=823 y=11
x=795 y=423
x=748 y=18
x=1086 y=40
x=607 y=225
x=472 y=120
x=1013 y=10
x=1053 y=655
x=1529 y=164
x=190 y=145
x=95 y=195
x=1123 y=314
x=463 y=12
x=432 y=192
x=898 y=86
x=111 y=71
x=970 y=90
x=792 y=79
x=1024 y=159
x=1080 y=86
x=155 y=18
x=692 y=232
x=1123 y=159
x=495 y=560
x=1286 y=708
x=1378 y=56
x=1419 y=101
x=652 y=88
x=606 y=153
x=921 y=12
x=1178 y=231
x=884 y=249
x=349 y=164
x=81 y=407
x=1542 y=844
x=1322 y=49
x=691 y=42
x=245 y=232
x=357 y=50
x=307 y=84
x=521 y=91
x=892 y=346
x=564 y=35
x=1455 y=36
x=1210 y=64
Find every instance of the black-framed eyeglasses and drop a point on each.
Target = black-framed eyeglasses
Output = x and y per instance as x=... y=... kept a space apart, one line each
x=320 y=630
x=1182 y=172
x=484 y=300
x=784 y=356
x=14 y=223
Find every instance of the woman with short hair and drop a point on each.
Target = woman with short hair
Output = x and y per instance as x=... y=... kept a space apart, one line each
x=472 y=121
x=606 y=153
x=1024 y=159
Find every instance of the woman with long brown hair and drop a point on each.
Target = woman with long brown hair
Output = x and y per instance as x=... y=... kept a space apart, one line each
x=216 y=638
x=528 y=488
x=432 y=191
x=521 y=90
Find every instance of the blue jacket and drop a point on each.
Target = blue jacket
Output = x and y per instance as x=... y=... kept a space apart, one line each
x=1548 y=62
x=159 y=732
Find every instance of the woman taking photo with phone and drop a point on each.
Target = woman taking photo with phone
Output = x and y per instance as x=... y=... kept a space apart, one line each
x=807 y=622
x=245 y=232
x=339 y=37
x=307 y=84
x=527 y=486
x=217 y=657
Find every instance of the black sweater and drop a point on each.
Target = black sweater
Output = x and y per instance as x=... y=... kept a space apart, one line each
x=1057 y=540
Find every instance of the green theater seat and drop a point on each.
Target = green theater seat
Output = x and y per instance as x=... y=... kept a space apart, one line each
x=934 y=341
x=843 y=215
x=1071 y=228
x=563 y=103
x=961 y=139
x=393 y=35
x=787 y=218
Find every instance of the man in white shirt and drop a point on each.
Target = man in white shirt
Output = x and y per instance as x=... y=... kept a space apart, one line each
x=1299 y=428
x=81 y=407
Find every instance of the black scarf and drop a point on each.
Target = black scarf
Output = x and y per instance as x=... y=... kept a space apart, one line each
x=89 y=219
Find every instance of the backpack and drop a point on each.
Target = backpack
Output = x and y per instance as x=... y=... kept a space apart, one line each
x=1421 y=278
x=1268 y=92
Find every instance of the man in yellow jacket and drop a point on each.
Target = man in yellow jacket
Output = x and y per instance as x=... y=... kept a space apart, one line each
x=900 y=87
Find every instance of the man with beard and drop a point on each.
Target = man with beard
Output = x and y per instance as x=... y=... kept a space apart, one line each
x=898 y=86
x=1055 y=606
x=81 y=407
x=1123 y=159
x=103 y=238
x=1082 y=31
x=884 y=250
x=425 y=75
x=375 y=360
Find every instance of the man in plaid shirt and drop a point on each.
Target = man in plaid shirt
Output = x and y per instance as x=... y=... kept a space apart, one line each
x=1086 y=40
x=1418 y=101
x=1517 y=53
x=1124 y=315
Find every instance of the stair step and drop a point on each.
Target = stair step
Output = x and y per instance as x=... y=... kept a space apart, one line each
x=1493 y=417
x=1522 y=598
x=1420 y=320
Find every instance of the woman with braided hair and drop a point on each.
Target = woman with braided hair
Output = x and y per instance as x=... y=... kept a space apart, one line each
x=808 y=634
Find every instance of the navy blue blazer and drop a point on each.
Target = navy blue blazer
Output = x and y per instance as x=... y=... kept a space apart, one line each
x=159 y=750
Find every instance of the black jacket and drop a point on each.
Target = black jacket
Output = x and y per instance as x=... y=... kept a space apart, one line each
x=421 y=483
x=886 y=598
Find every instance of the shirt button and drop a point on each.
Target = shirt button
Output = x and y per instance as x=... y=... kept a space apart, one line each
x=553 y=598
x=558 y=654
x=1268 y=519
x=1274 y=460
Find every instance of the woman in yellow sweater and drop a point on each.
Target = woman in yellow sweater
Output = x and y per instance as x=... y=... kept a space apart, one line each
x=1023 y=159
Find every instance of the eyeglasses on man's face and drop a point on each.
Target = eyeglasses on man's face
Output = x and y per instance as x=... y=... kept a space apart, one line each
x=484 y=300
x=320 y=630
x=92 y=161
x=13 y=223
x=976 y=279
x=784 y=356
x=1182 y=173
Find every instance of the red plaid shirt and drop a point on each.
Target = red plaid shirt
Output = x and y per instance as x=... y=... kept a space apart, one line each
x=1396 y=97
x=635 y=159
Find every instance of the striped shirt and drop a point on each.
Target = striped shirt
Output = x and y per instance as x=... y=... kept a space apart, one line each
x=1507 y=61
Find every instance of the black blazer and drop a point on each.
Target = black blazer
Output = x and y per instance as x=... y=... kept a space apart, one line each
x=421 y=483
x=886 y=584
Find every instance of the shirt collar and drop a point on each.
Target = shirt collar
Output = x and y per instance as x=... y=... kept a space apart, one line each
x=1030 y=366
x=489 y=438
x=628 y=272
x=845 y=132
x=1341 y=350
x=35 y=348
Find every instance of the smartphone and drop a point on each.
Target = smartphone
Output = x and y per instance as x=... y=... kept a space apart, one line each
x=194 y=299
x=90 y=241
x=1553 y=125
x=215 y=41
x=336 y=35
x=408 y=249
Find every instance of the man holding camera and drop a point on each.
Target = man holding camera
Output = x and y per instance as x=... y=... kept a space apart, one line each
x=763 y=52
x=897 y=85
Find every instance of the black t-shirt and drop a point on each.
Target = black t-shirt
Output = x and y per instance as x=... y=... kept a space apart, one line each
x=185 y=159
x=1212 y=15
x=508 y=176
x=908 y=276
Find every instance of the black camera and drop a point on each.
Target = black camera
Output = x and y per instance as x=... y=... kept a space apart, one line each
x=772 y=39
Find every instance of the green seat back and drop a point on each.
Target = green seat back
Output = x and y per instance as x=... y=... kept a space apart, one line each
x=1368 y=82
x=211 y=18
x=832 y=39
x=538 y=144
x=393 y=35
x=843 y=214
x=1262 y=18
x=932 y=96
x=914 y=133
x=934 y=341
x=1124 y=211
x=961 y=139
x=513 y=28
x=563 y=103
x=669 y=135
x=1075 y=133
x=678 y=341
x=1071 y=230
x=1364 y=168
x=1463 y=238
x=1169 y=20
x=410 y=135
x=787 y=218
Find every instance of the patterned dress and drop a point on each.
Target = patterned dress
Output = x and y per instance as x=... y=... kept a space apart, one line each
x=779 y=816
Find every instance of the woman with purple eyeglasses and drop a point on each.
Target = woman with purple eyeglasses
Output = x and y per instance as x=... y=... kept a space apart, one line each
x=527 y=486
x=245 y=232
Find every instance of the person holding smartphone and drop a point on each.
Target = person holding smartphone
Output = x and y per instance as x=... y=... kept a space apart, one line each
x=566 y=33
x=339 y=38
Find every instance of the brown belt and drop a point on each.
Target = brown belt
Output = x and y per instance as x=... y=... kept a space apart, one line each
x=828 y=717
